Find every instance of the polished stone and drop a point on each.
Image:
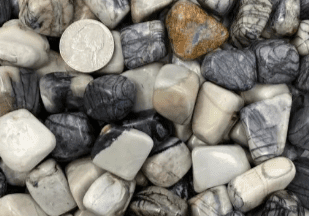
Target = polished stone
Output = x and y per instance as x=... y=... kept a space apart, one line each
x=266 y=123
x=238 y=135
x=217 y=165
x=218 y=7
x=143 y=43
x=183 y=132
x=55 y=63
x=5 y=11
x=249 y=190
x=215 y=113
x=167 y=163
x=109 y=98
x=13 y=177
x=304 y=9
x=192 y=32
x=82 y=11
x=301 y=39
x=232 y=69
x=109 y=195
x=49 y=187
x=195 y=142
x=302 y=80
x=25 y=141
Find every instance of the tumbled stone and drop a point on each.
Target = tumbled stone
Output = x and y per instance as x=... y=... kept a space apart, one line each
x=141 y=179
x=25 y=141
x=192 y=31
x=218 y=7
x=248 y=190
x=13 y=177
x=20 y=205
x=212 y=202
x=209 y=168
x=49 y=187
x=109 y=195
x=184 y=187
x=215 y=113
x=232 y=69
x=195 y=142
x=304 y=9
x=143 y=43
x=14 y=8
x=183 y=132
x=154 y=200
x=167 y=163
x=109 y=98
x=109 y=148
x=82 y=11
x=144 y=79
x=277 y=61
x=301 y=40
x=5 y=11
x=266 y=123
x=302 y=80
x=21 y=46
x=238 y=134
x=62 y=91
x=49 y=18
x=175 y=92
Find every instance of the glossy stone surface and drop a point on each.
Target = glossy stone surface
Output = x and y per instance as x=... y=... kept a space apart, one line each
x=82 y=11
x=250 y=21
x=212 y=202
x=217 y=165
x=156 y=199
x=109 y=98
x=5 y=11
x=215 y=113
x=277 y=60
x=21 y=46
x=13 y=177
x=167 y=163
x=25 y=141
x=62 y=91
x=175 y=92
x=143 y=43
x=183 y=132
x=304 y=9
x=184 y=187
x=20 y=205
x=248 y=190
x=301 y=40
x=49 y=18
x=232 y=69
x=109 y=195
x=192 y=32
x=218 y=7
x=121 y=151
x=302 y=80
x=49 y=187
x=266 y=123
x=238 y=134
x=195 y=142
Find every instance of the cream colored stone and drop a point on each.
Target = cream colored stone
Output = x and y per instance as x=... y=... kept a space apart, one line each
x=195 y=142
x=248 y=190
x=183 y=132
x=82 y=11
x=13 y=177
x=84 y=213
x=215 y=113
x=81 y=174
x=238 y=135
x=79 y=83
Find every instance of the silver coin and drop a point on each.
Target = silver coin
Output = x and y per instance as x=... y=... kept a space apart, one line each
x=87 y=45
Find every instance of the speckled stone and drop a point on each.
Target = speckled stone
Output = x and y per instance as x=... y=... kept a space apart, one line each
x=156 y=199
x=5 y=11
x=143 y=43
x=304 y=9
x=301 y=40
x=49 y=18
x=250 y=21
x=13 y=177
x=218 y=7
x=277 y=61
x=192 y=32
x=232 y=69
x=82 y=11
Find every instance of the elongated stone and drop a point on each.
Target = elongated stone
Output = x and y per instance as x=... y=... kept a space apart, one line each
x=5 y=11
x=49 y=18
x=143 y=43
x=192 y=32
x=82 y=11
x=109 y=195
x=156 y=199
x=13 y=177
x=232 y=69
x=248 y=190
x=302 y=80
x=266 y=124
x=215 y=113
x=212 y=202
x=301 y=40
x=49 y=188
x=217 y=7
x=184 y=187
x=304 y=9
x=238 y=134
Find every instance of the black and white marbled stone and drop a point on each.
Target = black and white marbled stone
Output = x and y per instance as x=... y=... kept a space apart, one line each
x=232 y=69
x=143 y=43
x=301 y=40
x=302 y=81
x=62 y=91
x=277 y=61
x=14 y=8
x=5 y=11
x=304 y=9
x=217 y=7
x=156 y=200
x=74 y=135
x=3 y=184
x=109 y=98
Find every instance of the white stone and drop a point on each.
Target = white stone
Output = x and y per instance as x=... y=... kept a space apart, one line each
x=217 y=165
x=249 y=190
x=13 y=177
x=144 y=79
x=25 y=141
x=195 y=142
x=81 y=174
x=215 y=113
x=109 y=195
x=183 y=132
x=19 y=205
x=49 y=188
x=84 y=213
x=301 y=40
x=238 y=135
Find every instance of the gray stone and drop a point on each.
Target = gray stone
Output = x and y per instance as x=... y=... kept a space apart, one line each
x=5 y=11
x=301 y=40
x=15 y=8
x=218 y=7
x=302 y=81
x=304 y=9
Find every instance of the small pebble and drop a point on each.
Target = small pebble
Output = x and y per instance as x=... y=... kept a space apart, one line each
x=238 y=135
x=195 y=142
x=301 y=39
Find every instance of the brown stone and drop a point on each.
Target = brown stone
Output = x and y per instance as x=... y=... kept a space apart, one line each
x=192 y=31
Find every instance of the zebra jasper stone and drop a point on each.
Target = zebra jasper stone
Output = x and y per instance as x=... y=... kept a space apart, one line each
x=301 y=40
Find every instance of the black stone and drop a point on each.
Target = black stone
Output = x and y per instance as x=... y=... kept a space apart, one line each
x=109 y=98
x=277 y=61
x=74 y=135
x=304 y=9
x=302 y=82
x=5 y=11
x=165 y=145
x=3 y=184
x=232 y=69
